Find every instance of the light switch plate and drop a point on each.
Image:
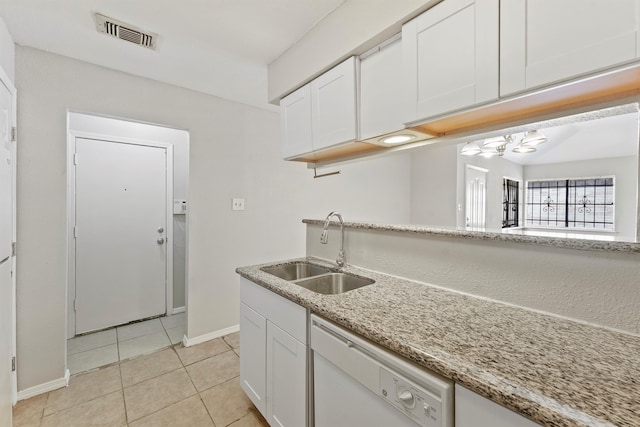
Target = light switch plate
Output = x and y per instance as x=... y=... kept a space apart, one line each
x=237 y=204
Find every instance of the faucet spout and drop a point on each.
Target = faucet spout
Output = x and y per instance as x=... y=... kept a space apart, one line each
x=325 y=235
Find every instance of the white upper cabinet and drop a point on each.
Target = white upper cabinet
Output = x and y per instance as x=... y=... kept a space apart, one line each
x=333 y=101
x=451 y=57
x=546 y=41
x=322 y=113
x=382 y=93
x=295 y=123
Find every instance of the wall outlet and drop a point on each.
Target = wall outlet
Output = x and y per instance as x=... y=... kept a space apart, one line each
x=237 y=204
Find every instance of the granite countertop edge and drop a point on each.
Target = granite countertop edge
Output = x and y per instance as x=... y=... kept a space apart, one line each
x=502 y=389
x=570 y=243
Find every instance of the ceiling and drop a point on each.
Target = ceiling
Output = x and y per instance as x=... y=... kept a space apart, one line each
x=219 y=47
x=614 y=136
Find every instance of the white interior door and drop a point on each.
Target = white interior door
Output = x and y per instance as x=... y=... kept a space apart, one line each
x=476 y=190
x=121 y=249
x=7 y=232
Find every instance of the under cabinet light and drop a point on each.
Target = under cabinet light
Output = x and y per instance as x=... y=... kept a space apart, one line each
x=397 y=139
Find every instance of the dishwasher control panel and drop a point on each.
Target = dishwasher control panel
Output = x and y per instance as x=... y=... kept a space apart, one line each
x=416 y=402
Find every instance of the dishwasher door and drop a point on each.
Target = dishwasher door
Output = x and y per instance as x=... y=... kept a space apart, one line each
x=341 y=401
x=359 y=384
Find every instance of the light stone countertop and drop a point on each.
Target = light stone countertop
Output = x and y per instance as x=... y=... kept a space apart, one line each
x=595 y=242
x=554 y=371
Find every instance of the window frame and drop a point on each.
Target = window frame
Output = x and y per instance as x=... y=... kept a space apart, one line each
x=527 y=219
x=519 y=202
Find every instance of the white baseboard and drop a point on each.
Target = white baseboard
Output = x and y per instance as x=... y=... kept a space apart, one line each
x=46 y=387
x=177 y=310
x=188 y=342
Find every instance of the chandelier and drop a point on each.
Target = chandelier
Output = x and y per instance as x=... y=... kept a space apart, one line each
x=498 y=145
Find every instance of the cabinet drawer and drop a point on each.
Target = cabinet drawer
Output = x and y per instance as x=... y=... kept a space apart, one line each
x=287 y=315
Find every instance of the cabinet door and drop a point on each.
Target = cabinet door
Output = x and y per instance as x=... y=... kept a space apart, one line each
x=295 y=123
x=545 y=41
x=253 y=341
x=383 y=100
x=286 y=379
x=451 y=57
x=473 y=410
x=334 y=112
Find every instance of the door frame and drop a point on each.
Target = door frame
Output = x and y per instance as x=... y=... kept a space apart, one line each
x=71 y=216
x=6 y=81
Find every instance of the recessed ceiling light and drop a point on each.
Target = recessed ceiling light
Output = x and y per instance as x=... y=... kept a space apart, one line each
x=397 y=139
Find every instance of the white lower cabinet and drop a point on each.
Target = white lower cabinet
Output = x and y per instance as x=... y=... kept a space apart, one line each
x=473 y=410
x=253 y=368
x=273 y=359
x=286 y=378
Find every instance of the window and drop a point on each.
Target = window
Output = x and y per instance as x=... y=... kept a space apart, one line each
x=510 y=205
x=571 y=203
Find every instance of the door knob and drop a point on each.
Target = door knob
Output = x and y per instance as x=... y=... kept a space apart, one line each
x=160 y=230
x=160 y=240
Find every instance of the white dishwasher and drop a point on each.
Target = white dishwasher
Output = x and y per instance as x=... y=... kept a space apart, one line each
x=359 y=384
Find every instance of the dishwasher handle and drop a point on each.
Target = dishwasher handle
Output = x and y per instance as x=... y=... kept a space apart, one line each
x=333 y=333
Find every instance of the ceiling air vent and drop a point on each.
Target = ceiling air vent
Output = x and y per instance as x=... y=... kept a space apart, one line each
x=126 y=32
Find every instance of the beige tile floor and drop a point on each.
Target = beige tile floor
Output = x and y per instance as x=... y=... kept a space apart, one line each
x=175 y=386
x=102 y=348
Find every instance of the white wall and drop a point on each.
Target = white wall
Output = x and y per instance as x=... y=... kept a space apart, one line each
x=234 y=152
x=625 y=170
x=433 y=185
x=591 y=286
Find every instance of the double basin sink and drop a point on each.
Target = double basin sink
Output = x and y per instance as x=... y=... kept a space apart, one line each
x=316 y=278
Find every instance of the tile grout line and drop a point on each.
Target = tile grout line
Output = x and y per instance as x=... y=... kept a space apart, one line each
x=118 y=348
x=124 y=401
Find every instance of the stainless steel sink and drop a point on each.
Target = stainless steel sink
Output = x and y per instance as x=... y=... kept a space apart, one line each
x=295 y=271
x=318 y=279
x=333 y=283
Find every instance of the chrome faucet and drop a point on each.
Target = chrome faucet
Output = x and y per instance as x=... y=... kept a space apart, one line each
x=325 y=234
